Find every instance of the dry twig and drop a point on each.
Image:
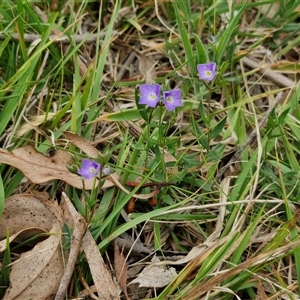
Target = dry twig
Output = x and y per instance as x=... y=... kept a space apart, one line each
x=277 y=78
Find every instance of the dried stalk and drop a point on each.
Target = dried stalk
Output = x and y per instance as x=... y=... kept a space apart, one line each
x=76 y=38
x=276 y=78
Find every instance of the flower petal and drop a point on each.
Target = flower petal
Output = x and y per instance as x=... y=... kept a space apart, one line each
x=172 y=99
x=89 y=169
x=149 y=94
x=207 y=71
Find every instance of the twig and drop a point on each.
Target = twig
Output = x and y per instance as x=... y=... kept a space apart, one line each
x=77 y=38
x=250 y=138
x=277 y=78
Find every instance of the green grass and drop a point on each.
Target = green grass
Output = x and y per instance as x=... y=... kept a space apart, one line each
x=248 y=212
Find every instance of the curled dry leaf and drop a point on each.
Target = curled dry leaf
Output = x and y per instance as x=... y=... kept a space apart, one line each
x=36 y=273
x=23 y=235
x=146 y=67
x=82 y=144
x=155 y=276
x=40 y=169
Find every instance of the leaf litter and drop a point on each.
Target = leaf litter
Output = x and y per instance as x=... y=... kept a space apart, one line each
x=39 y=168
x=42 y=266
x=155 y=276
x=29 y=216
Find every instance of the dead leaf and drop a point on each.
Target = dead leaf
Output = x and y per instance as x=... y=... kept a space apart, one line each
x=121 y=269
x=40 y=169
x=82 y=144
x=146 y=67
x=21 y=236
x=101 y=277
x=25 y=211
x=36 y=273
x=105 y=287
x=271 y=10
x=155 y=276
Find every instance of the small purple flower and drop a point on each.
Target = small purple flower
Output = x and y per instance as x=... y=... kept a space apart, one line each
x=89 y=169
x=149 y=94
x=207 y=71
x=172 y=99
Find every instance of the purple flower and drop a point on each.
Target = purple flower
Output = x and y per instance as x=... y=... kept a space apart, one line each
x=207 y=71
x=149 y=94
x=89 y=169
x=172 y=99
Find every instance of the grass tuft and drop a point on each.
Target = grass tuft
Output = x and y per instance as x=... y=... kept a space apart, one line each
x=222 y=169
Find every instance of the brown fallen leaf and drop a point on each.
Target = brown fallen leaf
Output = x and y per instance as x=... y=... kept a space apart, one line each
x=147 y=67
x=82 y=144
x=121 y=269
x=23 y=235
x=155 y=276
x=40 y=169
x=105 y=286
x=80 y=227
x=36 y=273
x=101 y=277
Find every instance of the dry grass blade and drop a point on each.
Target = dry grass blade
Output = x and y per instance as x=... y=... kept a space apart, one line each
x=202 y=288
x=277 y=78
x=211 y=178
x=76 y=38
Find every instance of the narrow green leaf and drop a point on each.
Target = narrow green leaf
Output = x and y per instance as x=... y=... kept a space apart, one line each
x=190 y=56
x=218 y=128
x=5 y=268
x=202 y=56
x=124 y=115
x=226 y=37
x=2 y=196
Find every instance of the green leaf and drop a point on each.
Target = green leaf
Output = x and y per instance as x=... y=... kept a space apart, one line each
x=202 y=56
x=2 y=196
x=187 y=45
x=226 y=36
x=200 y=135
x=123 y=115
x=218 y=128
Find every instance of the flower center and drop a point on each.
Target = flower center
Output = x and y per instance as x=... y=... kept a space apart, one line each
x=169 y=99
x=92 y=170
x=208 y=73
x=152 y=96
